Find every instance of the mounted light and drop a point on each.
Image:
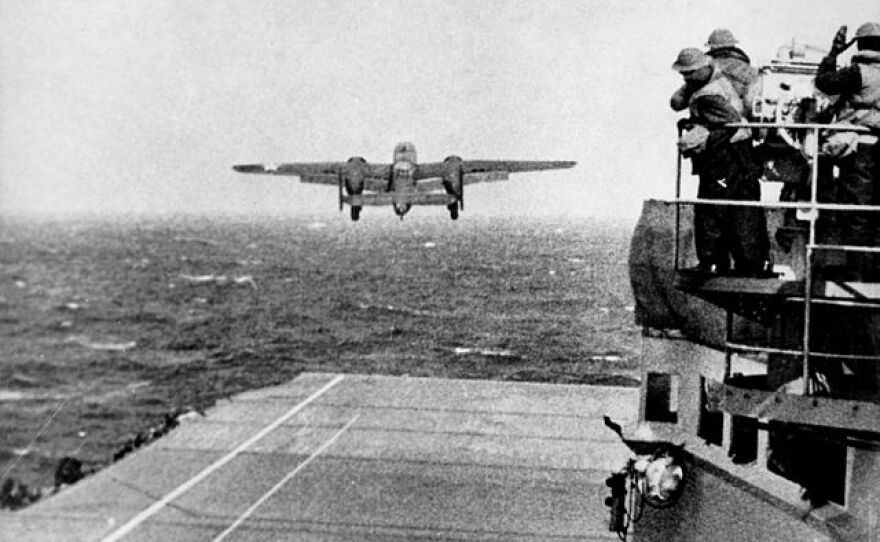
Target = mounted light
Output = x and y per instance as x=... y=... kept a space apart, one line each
x=661 y=477
x=657 y=479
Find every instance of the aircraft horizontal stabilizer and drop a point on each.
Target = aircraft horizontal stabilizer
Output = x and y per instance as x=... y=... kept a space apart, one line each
x=434 y=184
x=324 y=178
x=250 y=168
x=413 y=198
x=370 y=184
x=430 y=185
x=432 y=199
x=375 y=185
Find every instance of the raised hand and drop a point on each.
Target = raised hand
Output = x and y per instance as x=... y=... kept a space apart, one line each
x=839 y=44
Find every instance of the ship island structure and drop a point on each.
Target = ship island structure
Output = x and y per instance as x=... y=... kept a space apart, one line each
x=770 y=384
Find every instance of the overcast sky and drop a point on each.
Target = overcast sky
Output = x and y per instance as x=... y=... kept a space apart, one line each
x=144 y=105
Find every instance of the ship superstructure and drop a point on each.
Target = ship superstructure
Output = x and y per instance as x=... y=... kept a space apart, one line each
x=772 y=384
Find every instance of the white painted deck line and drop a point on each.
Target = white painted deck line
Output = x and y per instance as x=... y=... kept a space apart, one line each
x=184 y=487
x=286 y=479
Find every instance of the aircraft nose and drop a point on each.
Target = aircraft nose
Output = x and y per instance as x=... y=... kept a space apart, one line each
x=401 y=209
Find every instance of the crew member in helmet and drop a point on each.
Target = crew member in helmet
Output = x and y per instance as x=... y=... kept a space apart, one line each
x=856 y=155
x=733 y=62
x=724 y=160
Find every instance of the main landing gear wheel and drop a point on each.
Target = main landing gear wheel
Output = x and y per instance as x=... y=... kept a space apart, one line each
x=355 y=212
x=453 y=211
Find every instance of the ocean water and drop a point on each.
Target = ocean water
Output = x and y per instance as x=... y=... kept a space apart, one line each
x=108 y=325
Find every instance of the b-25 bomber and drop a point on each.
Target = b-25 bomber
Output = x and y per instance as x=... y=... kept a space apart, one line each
x=404 y=182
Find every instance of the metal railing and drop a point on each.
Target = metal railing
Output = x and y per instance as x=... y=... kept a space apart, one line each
x=812 y=207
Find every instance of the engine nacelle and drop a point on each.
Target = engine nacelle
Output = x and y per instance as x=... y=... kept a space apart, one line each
x=453 y=178
x=355 y=171
x=453 y=174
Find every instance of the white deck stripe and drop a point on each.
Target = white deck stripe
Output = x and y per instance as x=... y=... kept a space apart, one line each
x=284 y=480
x=158 y=505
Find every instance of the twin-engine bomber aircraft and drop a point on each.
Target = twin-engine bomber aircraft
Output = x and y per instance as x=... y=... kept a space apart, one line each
x=404 y=182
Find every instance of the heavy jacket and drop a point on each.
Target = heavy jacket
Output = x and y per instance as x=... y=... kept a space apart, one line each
x=712 y=106
x=734 y=64
x=858 y=85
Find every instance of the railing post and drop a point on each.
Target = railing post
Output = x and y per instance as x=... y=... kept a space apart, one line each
x=808 y=253
x=677 y=204
x=813 y=209
x=728 y=338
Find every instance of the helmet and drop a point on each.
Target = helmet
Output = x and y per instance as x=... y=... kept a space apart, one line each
x=690 y=59
x=721 y=37
x=868 y=30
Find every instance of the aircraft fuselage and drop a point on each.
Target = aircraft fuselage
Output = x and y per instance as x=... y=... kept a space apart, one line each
x=403 y=180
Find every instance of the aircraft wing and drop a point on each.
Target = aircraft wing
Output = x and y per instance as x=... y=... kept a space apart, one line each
x=297 y=169
x=437 y=169
x=311 y=172
x=513 y=166
x=484 y=177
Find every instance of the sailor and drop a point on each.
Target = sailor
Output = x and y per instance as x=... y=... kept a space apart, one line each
x=857 y=155
x=733 y=62
x=724 y=160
